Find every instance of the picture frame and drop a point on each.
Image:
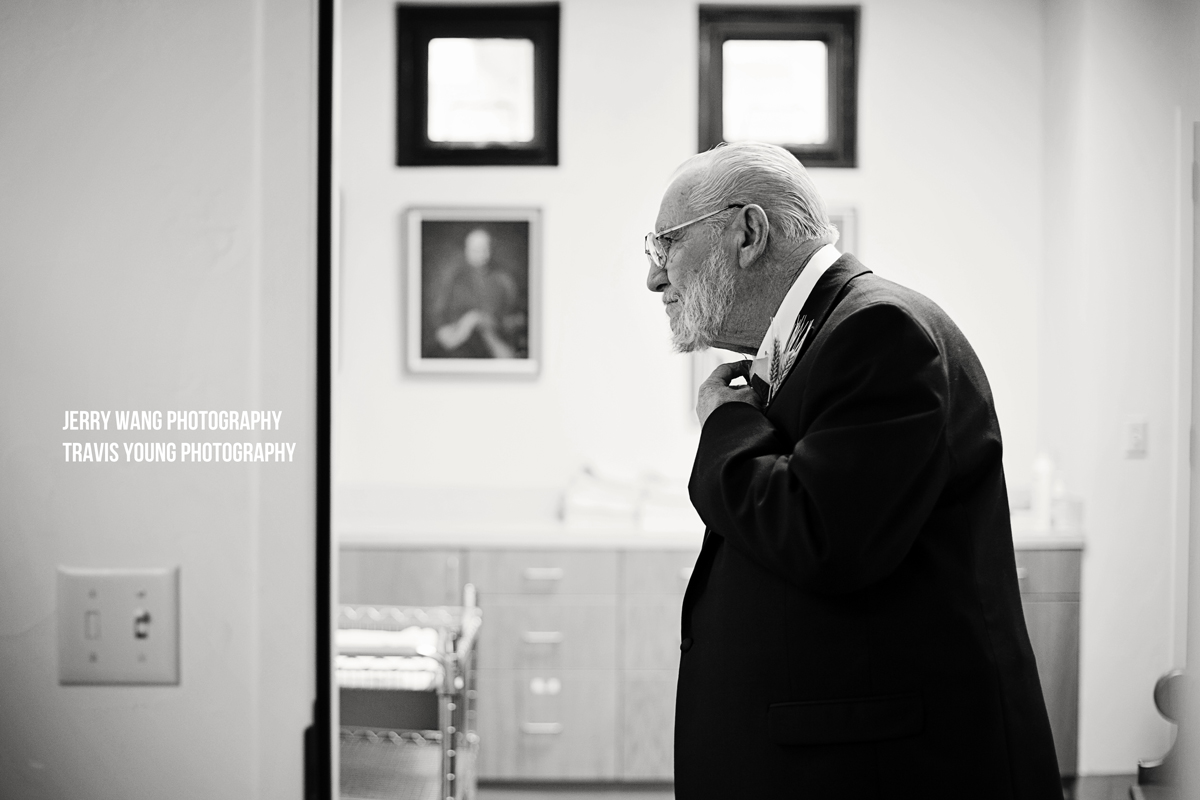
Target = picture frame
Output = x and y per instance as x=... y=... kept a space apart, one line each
x=845 y=219
x=417 y=24
x=473 y=286
x=836 y=27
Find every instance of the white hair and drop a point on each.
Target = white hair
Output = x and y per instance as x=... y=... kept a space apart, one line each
x=769 y=176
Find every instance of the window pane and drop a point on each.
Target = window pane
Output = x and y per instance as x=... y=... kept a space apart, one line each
x=480 y=90
x=775 y=91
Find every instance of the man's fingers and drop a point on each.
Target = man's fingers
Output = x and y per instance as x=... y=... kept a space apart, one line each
x=728 y=372
x=745 y=394
x=717 y=394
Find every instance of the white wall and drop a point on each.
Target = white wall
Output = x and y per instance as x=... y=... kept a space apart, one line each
x=156 y=252
x=948 y=194
x=1116 y=322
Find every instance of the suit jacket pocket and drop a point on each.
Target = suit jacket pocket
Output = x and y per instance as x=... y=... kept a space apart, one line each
x=866 y=719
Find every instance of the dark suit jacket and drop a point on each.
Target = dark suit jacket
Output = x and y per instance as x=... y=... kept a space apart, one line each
x=853 y=626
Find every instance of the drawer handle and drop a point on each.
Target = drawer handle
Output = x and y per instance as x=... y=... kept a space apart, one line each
x=542 y=637
x=542 y=728
x=685 y=574
x=543 y=573
x=1022 y=573
x=545 y=686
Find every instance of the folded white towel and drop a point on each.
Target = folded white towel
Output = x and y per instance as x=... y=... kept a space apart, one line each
x=409 y=673
x=412 y=641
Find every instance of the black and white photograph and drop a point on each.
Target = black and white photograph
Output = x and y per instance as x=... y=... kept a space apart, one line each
x=472 y=276
x=599 y=399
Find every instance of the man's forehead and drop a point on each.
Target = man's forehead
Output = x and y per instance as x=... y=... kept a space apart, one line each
x=674 y=206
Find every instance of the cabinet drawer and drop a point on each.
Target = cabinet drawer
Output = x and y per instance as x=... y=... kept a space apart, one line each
x=533 y=634
x=547 y=724
x=658 y=571
x=648 y=725
x=1048 y=571
x=1054 y=634
x=651 y=631
x=543 y=572
x=381 y=576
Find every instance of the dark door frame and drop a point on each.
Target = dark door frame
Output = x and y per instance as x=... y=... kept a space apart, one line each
x=318 y=741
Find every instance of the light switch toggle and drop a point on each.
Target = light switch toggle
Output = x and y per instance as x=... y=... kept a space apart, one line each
x=91 y=625
x=141 y=623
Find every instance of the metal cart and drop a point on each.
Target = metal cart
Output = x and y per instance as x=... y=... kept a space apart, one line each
x=406 y=684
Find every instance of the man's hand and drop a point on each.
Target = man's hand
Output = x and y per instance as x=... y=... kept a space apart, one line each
x=453 y=334
x=716 y=391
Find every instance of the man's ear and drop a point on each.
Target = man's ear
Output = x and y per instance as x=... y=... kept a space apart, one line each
x=751 y=229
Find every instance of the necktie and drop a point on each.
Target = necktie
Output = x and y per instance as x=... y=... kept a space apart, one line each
x=761 y=388
x=761 y=376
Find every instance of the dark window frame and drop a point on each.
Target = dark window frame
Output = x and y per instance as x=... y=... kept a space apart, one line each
x=416 y=24
x=836 y=26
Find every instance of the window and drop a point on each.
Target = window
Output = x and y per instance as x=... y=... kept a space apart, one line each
x=478 y=85
x=785 y=75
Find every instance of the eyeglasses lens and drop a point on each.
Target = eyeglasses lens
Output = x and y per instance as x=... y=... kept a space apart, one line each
x=654 y=250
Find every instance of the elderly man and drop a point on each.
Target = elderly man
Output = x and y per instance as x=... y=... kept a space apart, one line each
x=853 y=626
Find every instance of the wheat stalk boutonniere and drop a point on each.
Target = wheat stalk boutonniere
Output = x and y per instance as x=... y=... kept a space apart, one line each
x=796 y=341
x=775 y=372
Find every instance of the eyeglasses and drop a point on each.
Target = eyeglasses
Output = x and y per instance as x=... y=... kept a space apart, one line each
x=657 y=253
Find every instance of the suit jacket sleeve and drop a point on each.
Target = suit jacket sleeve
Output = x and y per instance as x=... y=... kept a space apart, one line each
x=838 y=509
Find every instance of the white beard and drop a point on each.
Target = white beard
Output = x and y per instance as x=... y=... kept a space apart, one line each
x=703 y=305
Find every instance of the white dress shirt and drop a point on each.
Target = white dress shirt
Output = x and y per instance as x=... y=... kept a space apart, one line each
x=780 y=327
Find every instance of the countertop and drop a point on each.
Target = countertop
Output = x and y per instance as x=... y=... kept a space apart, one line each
x=559 y=536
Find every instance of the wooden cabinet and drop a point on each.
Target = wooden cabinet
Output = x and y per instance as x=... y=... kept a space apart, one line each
x=652 y=587
x=540 y=573
x=648 y=724
x=391 y=576
x=657 y=572
x=650 y=631
x=547 y=663
x=1050 y=582
x=547 y=724
x=579 y=649
x=577 y=632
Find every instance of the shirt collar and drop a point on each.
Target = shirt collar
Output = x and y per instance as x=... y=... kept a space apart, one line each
x=793 y=302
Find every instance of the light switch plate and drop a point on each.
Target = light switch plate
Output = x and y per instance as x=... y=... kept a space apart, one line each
x=1137 y=435
x=118 y=626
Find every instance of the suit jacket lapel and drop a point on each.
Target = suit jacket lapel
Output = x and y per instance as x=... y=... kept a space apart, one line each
x=822 y=300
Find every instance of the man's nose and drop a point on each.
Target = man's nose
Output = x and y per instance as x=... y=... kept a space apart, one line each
x=657 y=280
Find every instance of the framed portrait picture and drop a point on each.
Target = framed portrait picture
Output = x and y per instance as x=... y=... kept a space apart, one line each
x=473 y=290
